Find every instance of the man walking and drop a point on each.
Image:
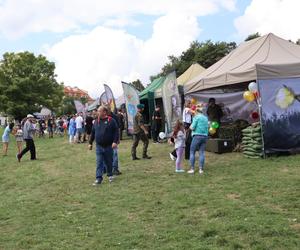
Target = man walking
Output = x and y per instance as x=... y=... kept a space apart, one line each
x=28 y=131
x=139 y=133
x=106 y=133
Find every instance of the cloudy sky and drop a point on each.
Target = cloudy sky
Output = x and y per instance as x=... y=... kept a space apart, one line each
x=98 y=41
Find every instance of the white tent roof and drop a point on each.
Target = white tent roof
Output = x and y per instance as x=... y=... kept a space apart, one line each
x=239 y=65
x=194 y=70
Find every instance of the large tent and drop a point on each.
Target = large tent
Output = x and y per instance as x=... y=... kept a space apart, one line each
x=194 y=70
x=239 y=65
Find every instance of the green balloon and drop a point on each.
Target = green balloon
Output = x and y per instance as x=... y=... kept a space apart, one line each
x=215 y=125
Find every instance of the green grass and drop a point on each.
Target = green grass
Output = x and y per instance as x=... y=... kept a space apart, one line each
x=237 y=204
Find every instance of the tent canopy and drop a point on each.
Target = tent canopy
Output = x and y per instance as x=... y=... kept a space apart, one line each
x=154 y=87
x=239 y=65
x=194 y=70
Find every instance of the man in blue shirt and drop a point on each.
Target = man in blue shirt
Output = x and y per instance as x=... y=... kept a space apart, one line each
x=106 y=133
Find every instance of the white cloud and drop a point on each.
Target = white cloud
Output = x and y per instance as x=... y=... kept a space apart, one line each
x=18 y=18
x=110 y=56
x=280 y=17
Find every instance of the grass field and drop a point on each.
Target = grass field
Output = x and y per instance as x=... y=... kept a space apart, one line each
x=237 y=204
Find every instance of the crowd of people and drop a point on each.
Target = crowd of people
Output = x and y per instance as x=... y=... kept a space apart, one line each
x=106 y=128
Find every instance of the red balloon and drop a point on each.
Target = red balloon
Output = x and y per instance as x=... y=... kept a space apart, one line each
x=254 y=115
x=256 y=94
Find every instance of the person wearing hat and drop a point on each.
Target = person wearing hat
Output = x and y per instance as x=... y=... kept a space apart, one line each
x=28 y=131
x=199 y=130
x=139 y=133
x=214 y=113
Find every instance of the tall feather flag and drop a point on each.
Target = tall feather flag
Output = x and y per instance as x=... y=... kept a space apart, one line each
x=103 y=98
x=171 y=100
x=132 y=100
x=110 y=98
x=79 y=106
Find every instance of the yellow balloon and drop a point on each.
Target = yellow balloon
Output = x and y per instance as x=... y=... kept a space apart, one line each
x=249 y=96
x=194 y=101
x=212 y=131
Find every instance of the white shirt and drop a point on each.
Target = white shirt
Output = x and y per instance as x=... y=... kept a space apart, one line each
x=79 y=121
x=186 y=116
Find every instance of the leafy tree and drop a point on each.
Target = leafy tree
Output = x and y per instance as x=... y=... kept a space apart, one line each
x=68 y=106
x=27 y=83
x=205 y=53
x=138 y=85
x=252 y=36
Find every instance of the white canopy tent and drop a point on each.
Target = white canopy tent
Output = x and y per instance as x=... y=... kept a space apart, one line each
x=240 y=65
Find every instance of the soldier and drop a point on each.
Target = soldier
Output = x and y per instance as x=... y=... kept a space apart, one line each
x=139 y=133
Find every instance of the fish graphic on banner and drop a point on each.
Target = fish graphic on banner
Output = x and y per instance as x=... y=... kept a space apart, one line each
x=132 y=100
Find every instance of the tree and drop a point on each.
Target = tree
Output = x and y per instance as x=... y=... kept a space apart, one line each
x=252 y=36
x=138 y=85
x=68 y=106
x=27 y=83
x=205 y=53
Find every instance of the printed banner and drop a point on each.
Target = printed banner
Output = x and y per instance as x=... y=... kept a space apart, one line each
x=233 y=105
x=171 y=101
x=110 y=98
x=132 y=100
x=79 y=106
x=103 y=99
x=280 y=101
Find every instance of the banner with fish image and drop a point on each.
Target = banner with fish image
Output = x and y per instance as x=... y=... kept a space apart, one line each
x=280 y=114
x=131 y=100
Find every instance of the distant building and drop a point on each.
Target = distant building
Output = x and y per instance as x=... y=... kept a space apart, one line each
x=77 y=93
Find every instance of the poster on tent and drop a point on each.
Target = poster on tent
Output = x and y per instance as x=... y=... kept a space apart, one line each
x=110 y=98
x=131 y=100
x=280 y=114
x=171 y=101
x=233 y=105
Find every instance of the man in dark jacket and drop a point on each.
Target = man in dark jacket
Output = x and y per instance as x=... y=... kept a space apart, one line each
x=106 y=133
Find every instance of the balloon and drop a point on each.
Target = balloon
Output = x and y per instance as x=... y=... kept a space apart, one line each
x=249 y=96
x=253 y=87
x=256 y=94
x=162 y=135
x=215 y=125
x=194 y=101
x=254 y=115
x=212 y=131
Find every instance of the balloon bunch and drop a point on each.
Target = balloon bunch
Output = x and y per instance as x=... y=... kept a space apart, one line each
x=250 y=95
x=213 y=127
x=252 y=92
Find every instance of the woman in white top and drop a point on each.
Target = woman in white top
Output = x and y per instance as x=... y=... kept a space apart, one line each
x=19 y=138
x=187 y=115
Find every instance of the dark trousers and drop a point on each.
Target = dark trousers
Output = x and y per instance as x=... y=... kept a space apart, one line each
x=104 y=161
x=155 y=133
x=188 y=142
x=136 y=138
x=29 y=147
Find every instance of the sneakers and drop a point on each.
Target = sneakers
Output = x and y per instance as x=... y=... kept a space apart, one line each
x=116 y=172
x=97 y=182
x=191 y=171
x=179 y=171
x=110 y=179
x=147 y=157
x=172 y=157
x=201 y=171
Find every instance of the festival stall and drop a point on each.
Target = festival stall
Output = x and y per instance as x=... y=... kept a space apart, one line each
x=269 y=67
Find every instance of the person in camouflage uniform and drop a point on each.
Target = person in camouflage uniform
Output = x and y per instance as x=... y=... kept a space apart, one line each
x=139 y=133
